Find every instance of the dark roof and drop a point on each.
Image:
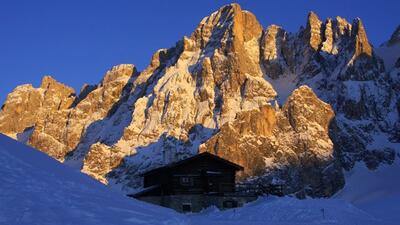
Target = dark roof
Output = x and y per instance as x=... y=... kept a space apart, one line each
x=203 y=154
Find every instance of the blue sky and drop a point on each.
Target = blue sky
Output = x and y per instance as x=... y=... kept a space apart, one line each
x=77 y=41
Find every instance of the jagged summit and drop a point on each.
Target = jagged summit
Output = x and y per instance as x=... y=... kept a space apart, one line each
x=313 y=30
x=229 y=20
x=389 y=51
x=324 y=35
x=362 y=45
x=220 y=90
x=395 y=38
x=48 y=80
x=118 y=72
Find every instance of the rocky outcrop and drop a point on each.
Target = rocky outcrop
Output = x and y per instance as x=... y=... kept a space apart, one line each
x=33 y=106
x=313 y=33
x=293 y=140
x=273 y=52
x=57 y=117
x=99 y=103
x=336 y=59
x=361 y=44
x=19 y=111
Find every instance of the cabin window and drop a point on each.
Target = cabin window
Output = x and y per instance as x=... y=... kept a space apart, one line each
x=186 y=181
x=186 y=207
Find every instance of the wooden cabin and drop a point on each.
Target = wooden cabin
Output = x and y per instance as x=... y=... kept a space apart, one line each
x=192 y=184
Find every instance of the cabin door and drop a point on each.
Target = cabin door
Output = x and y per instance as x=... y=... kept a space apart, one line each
x=213 y=184
x=210 y=182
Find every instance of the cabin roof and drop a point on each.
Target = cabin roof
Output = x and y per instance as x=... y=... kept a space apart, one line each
x=198 y=156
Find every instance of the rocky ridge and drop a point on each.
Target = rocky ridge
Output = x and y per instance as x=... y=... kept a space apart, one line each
x=220 y=90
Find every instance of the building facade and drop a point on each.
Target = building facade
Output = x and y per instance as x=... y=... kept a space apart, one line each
x=193 y=184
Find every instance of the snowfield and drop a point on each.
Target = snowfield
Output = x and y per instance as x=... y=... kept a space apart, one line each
x=376 y=192
x=36 y=189
x=369 y=197
x=290 y=211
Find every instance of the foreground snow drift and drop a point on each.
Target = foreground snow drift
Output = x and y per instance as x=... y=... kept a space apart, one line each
x=36 y=189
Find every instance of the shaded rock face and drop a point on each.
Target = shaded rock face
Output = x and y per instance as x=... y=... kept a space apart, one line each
x=217 y=91
x=321 y=47
x=389 y=51
x=335 y=59
x=395 y=38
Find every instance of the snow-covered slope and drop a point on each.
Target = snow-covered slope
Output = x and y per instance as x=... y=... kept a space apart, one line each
x=369 y=197
x=290 y=211
x=377 y=192
x=36 y=189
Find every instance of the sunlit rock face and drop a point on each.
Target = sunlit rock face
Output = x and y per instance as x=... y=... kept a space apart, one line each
x=189 y=91
x=269 y=141
x=53 y=117
x=220 y=90
x=32 y=113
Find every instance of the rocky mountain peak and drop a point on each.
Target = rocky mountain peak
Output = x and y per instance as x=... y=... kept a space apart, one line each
x=228 y=21
x=328 y=37
x=395 y=38
x=362 y=45
x=272 y=37
x=389 y=51
x=55 y=94
x=48 y=82
x=313 y=30
x=273 y=44
x=343 y=26
x=335 y=40
x=118 y=71
x=322 y=35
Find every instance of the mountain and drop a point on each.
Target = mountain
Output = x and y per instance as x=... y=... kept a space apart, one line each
x=293 y=108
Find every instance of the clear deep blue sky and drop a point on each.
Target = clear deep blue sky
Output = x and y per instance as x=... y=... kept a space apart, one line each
x=77 y=41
